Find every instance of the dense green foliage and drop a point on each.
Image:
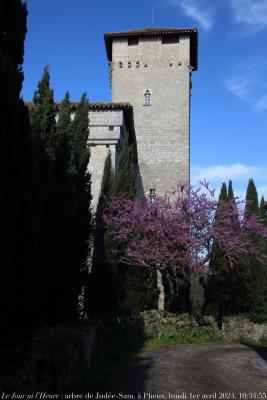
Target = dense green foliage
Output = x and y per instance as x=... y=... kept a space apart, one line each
x=103 y=276
x=124 y=289
x=217 y=292
x=62 y=159
x=45 y=193
x=18 y=242
x=107 y=180
x=254 y=279
x=124 y=180
x=252 y=202
x=241 y=289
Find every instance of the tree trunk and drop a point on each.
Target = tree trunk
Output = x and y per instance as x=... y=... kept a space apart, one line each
x=161 y=300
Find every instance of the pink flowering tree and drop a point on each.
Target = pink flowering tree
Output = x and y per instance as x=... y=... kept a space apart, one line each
x=178 y=230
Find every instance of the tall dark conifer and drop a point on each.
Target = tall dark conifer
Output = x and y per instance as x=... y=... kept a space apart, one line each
x=124 y=179
x=263 y=212
x=67 y=271
x=18 y=228
x=43 y=116
x=63 y=136
x=43 y=129
x=232 y=204
x=80 y=156
x=252 y=202
x=104 y=273
x=255 y=273
x=107 y=180
x=217 y=291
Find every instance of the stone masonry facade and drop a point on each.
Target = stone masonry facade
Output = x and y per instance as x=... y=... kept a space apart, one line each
x=157 y=63
x=107 y=131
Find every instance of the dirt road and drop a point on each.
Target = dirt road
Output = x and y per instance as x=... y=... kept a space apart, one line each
x=207 y=369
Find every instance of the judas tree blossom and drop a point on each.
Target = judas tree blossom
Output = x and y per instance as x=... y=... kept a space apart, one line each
x=178 y=230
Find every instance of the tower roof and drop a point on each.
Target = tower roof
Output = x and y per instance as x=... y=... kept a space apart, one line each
x=150 y=32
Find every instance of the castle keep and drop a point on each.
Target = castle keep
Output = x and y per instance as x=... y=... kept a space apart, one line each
x=150 y=78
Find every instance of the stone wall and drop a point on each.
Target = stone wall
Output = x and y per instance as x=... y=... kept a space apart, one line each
x=162 y=129
x=239 y=328
x=107 y=131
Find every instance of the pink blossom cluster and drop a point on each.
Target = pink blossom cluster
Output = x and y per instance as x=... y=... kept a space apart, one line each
x=178 y=230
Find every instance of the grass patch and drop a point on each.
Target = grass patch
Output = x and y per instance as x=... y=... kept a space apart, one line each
x=185 y=335
x=191 y=336
x=247 y=342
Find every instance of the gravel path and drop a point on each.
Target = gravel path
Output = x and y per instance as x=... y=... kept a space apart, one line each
x=214 y=369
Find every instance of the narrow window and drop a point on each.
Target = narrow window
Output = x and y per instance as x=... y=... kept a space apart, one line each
x=152 y=196
x=147 y=98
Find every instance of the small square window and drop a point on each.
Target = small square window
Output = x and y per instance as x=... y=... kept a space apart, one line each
x=168 y=39
x=111 y=128
x=133 y=41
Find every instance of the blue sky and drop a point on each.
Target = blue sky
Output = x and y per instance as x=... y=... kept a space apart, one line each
x=229 y=97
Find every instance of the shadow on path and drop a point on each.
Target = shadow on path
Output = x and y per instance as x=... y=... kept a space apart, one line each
x=200 y=369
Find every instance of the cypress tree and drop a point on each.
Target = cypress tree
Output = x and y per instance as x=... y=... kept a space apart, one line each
x=107 y=179
x=255 y=272
x=231 y=200
x=116 y=283
x=223 y=194
x=63 y=139
x=79 y=133
x=133 y=296
x=217 y=291
x=82 y=193
x=43 y=116
x=63 y=135
x=263 y=212
x=124 y=179
x=64 y=118
x=43 y=130
x=18 y=228
x=104 y=277
x=64 y=217
x=230 y=192
x=252 y=202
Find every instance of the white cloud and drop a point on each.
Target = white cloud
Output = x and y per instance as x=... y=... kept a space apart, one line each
x=252 y=13
x=239 y=173
x=199 y=10
x=248 y=83
x=221 y=173
x=262 y=103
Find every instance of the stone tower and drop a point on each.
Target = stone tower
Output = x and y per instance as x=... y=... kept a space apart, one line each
x=151 y=69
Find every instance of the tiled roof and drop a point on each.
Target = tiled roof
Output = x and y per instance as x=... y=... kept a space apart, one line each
x=92 y=106
x=148 y=32
x=108 y=106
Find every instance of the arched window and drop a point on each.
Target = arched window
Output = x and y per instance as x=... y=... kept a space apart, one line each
x=147 y=98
